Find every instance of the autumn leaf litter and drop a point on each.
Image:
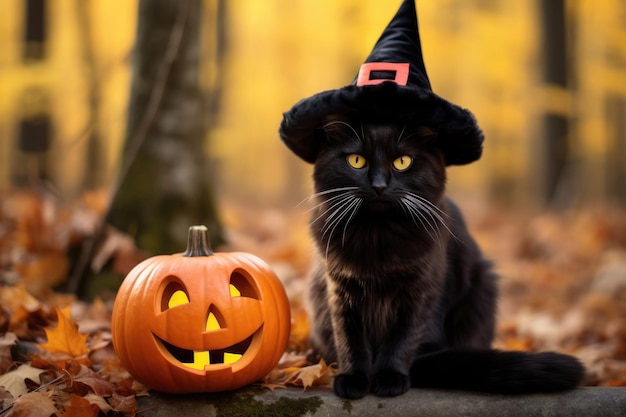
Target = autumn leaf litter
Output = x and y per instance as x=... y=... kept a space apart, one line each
x=563 y=288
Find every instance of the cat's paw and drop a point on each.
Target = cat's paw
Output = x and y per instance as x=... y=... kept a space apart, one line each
x=389 y=383
x=351 y=385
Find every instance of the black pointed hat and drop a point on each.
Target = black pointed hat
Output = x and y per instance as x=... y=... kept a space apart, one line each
x=391 y=86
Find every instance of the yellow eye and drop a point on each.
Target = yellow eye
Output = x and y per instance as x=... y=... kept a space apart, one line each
x=356 y=161
x=403 y=163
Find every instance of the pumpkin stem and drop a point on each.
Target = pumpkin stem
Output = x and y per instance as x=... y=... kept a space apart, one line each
x=198 y=242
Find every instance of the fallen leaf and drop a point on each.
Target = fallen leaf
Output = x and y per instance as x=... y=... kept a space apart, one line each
x=8 y=339
x=516 y=343
x=64 y=338
x=34 y=404
x=99 y=401
x=87 y=380
x=43 y=271
x=319 y=374
x=291 y=359
x=6 y=398
x=275 y=379
x=125 y=405
x=6 y=360
x=99 y=356
x=27 y=324
x=17 y=296
x=115 y=371
x=14 y=381
x=95 y=316
x=99 y=340
x=80 y=407
x=46 y=378
x=289 y=363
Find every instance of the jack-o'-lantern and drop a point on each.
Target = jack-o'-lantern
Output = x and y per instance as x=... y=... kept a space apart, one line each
x=200 y=321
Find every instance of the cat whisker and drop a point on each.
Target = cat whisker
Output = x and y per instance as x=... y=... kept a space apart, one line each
x=354 y=211
x=434 y=217
x=329 y=201
x=427 y=202
x=416 y=215
x=325 y=192
x=350 y=206
x=400 y=138
x=336 y=216
x=362 y=131
x=432 y=210
x=336 y=205
x=340 y=122
x=347 y=205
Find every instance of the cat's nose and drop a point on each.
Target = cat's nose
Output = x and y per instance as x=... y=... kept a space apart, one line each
x=379 y=183
x=379 y=188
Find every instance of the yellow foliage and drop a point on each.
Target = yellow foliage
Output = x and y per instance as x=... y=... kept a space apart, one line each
x=64 y=338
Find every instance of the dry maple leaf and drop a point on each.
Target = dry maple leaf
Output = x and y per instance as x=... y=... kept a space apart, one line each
x=88 y=380
x=289 y=363
x=314 y=375
x=80 y=407
x=64 y=338
x=319 y=374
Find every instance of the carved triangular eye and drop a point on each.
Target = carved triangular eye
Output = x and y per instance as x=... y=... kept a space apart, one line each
x=178 y=298
x=234 y=292
x=241 y=285
x=174 y=295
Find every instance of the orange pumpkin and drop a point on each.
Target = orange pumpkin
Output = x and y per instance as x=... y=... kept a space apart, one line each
x=200 y=321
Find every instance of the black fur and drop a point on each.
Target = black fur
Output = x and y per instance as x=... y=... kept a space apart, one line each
x=401 y=294
x=496 y=371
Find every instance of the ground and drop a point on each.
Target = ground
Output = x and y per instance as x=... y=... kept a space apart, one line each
x=563 y=287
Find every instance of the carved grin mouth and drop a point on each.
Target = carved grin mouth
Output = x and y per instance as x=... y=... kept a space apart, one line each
x=198 y=359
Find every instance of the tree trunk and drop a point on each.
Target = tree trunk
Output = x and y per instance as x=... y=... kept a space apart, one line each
x=164 y=184
x=557 y=181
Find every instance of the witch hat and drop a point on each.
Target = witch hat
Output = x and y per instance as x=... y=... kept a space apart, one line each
x=392 y=86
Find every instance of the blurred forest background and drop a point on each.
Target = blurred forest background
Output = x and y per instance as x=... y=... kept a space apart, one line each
x=546 y=80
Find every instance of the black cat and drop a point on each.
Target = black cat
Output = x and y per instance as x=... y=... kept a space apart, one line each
x=400 y=294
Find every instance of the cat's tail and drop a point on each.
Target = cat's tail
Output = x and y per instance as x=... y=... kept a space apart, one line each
x=497 y=371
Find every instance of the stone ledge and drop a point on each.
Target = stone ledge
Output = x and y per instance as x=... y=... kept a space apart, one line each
x=254 y=401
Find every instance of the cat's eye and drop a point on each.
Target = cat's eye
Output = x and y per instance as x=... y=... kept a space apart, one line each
x=402 y=163
x=356 y=161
